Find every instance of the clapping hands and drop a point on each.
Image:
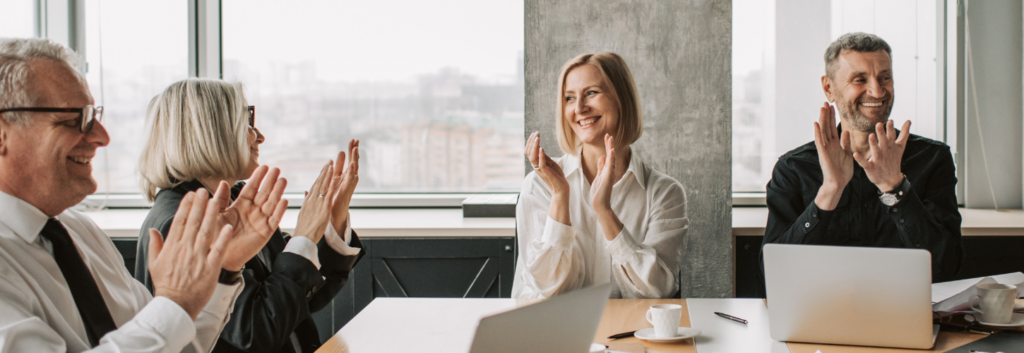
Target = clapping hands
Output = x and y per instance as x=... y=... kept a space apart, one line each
x=254 y=215
x=185 y=266
x=601 y=190
x=546 y=168
x=883 y=168
x=330 y=196
x=835 y=155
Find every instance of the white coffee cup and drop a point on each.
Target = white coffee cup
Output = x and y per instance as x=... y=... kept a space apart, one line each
x=995 y=302
x=665 y=318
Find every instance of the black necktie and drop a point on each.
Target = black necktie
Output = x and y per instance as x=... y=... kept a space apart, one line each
x=88 y=299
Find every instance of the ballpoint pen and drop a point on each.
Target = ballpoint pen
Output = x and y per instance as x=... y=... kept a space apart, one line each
x=621 y=335
x=730 y=317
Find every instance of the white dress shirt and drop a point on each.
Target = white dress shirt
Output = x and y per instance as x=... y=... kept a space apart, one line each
x=38 y=313
x=643 y=259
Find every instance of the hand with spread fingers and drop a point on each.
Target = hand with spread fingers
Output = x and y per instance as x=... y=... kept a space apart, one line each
x=883 y=166
x=316 y=207
x=255 y=214
x=601 y=190
x=185 y=266
x=551 y=173
x=348 y=177
x=835 y=156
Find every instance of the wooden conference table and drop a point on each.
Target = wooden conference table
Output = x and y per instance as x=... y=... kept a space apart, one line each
x=448 y=324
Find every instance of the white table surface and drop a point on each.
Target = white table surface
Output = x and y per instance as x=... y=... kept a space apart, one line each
x=422 y=325
x=721 y=335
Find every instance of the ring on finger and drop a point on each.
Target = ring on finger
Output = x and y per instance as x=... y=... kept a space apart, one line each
x=321 y=195
x=535 y=167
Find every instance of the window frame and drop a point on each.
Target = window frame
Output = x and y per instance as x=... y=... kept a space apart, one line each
x=64 y=22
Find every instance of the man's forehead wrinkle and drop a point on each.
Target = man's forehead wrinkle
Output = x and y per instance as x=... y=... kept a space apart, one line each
x=54 y=83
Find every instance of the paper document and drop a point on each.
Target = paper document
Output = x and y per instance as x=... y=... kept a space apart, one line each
x=953 y=296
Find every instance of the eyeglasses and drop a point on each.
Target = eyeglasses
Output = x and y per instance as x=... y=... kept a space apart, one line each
x=87 y=115
x=252 y=116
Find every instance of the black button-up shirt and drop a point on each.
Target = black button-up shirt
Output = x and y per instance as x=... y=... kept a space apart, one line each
x=926 y=217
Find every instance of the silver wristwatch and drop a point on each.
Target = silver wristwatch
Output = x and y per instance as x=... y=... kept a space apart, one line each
x=891 y=198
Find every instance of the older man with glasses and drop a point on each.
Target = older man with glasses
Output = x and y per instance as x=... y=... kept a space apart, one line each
x=63 y=284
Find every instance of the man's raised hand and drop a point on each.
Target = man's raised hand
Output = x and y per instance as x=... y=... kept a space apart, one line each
x=883 y=166
x=835 y=157
x=185 y=266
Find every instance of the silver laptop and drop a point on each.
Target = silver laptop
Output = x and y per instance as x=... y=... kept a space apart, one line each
x=566 y=323
x=849 y=295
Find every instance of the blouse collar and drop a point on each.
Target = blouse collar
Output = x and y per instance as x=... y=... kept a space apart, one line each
x=571 y=164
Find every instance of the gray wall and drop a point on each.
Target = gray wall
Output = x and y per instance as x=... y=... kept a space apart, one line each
x=680 y=56
x=992 y=144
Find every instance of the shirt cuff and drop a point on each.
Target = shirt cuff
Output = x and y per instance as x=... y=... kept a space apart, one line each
x=304 y=247
x=222 y=303
x=170 y=320
x=558 y=233
x=816 y=215
x=623 y=247
x=339 y=242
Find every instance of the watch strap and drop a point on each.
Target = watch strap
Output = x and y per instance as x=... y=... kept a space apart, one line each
x=900 y=189
x=230 y=277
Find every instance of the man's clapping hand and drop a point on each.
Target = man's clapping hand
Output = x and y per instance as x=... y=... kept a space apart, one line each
x=883 y=166
x=185 y=266
x=835 y=157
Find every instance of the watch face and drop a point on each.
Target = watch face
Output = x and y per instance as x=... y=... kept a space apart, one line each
x=889 y=199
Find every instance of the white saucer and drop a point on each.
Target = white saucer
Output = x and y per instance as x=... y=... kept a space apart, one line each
x=597 y=348
x=1016 y=320
x=647 y=334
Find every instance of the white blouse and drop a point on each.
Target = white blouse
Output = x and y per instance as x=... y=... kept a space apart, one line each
x=642 y=261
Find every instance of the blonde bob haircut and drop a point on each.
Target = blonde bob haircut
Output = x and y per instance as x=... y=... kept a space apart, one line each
x=619 y=80
x=197 y=128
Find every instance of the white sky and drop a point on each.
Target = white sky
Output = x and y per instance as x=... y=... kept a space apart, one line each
x=378 y=40
x=16 y=18
x=747 y=37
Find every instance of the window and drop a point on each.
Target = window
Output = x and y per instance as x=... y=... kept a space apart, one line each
x=134 y=50
x=777 y=64
x=17 y=19
x=433 y=90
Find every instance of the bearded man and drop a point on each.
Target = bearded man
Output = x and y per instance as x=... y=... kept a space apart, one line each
x=866 y=183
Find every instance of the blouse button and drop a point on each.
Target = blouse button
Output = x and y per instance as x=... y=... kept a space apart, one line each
x=808 y=224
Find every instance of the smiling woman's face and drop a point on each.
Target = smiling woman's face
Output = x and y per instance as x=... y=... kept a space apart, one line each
x=591 y=106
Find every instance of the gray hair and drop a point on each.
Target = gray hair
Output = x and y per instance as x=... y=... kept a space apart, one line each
x=856 y=41
x=16 y=56
x=197 y=128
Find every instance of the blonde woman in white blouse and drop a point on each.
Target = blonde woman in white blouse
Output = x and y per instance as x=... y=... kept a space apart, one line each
x=598 y=214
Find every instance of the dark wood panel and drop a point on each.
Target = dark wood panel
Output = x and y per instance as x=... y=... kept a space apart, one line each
x=413 y=267
x=126 y=246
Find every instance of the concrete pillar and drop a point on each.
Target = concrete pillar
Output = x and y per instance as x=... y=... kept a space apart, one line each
x=680 y=56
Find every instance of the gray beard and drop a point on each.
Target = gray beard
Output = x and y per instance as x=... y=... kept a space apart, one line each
x=860 y=122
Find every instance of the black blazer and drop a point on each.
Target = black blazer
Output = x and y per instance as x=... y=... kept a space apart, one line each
x=281 y=289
